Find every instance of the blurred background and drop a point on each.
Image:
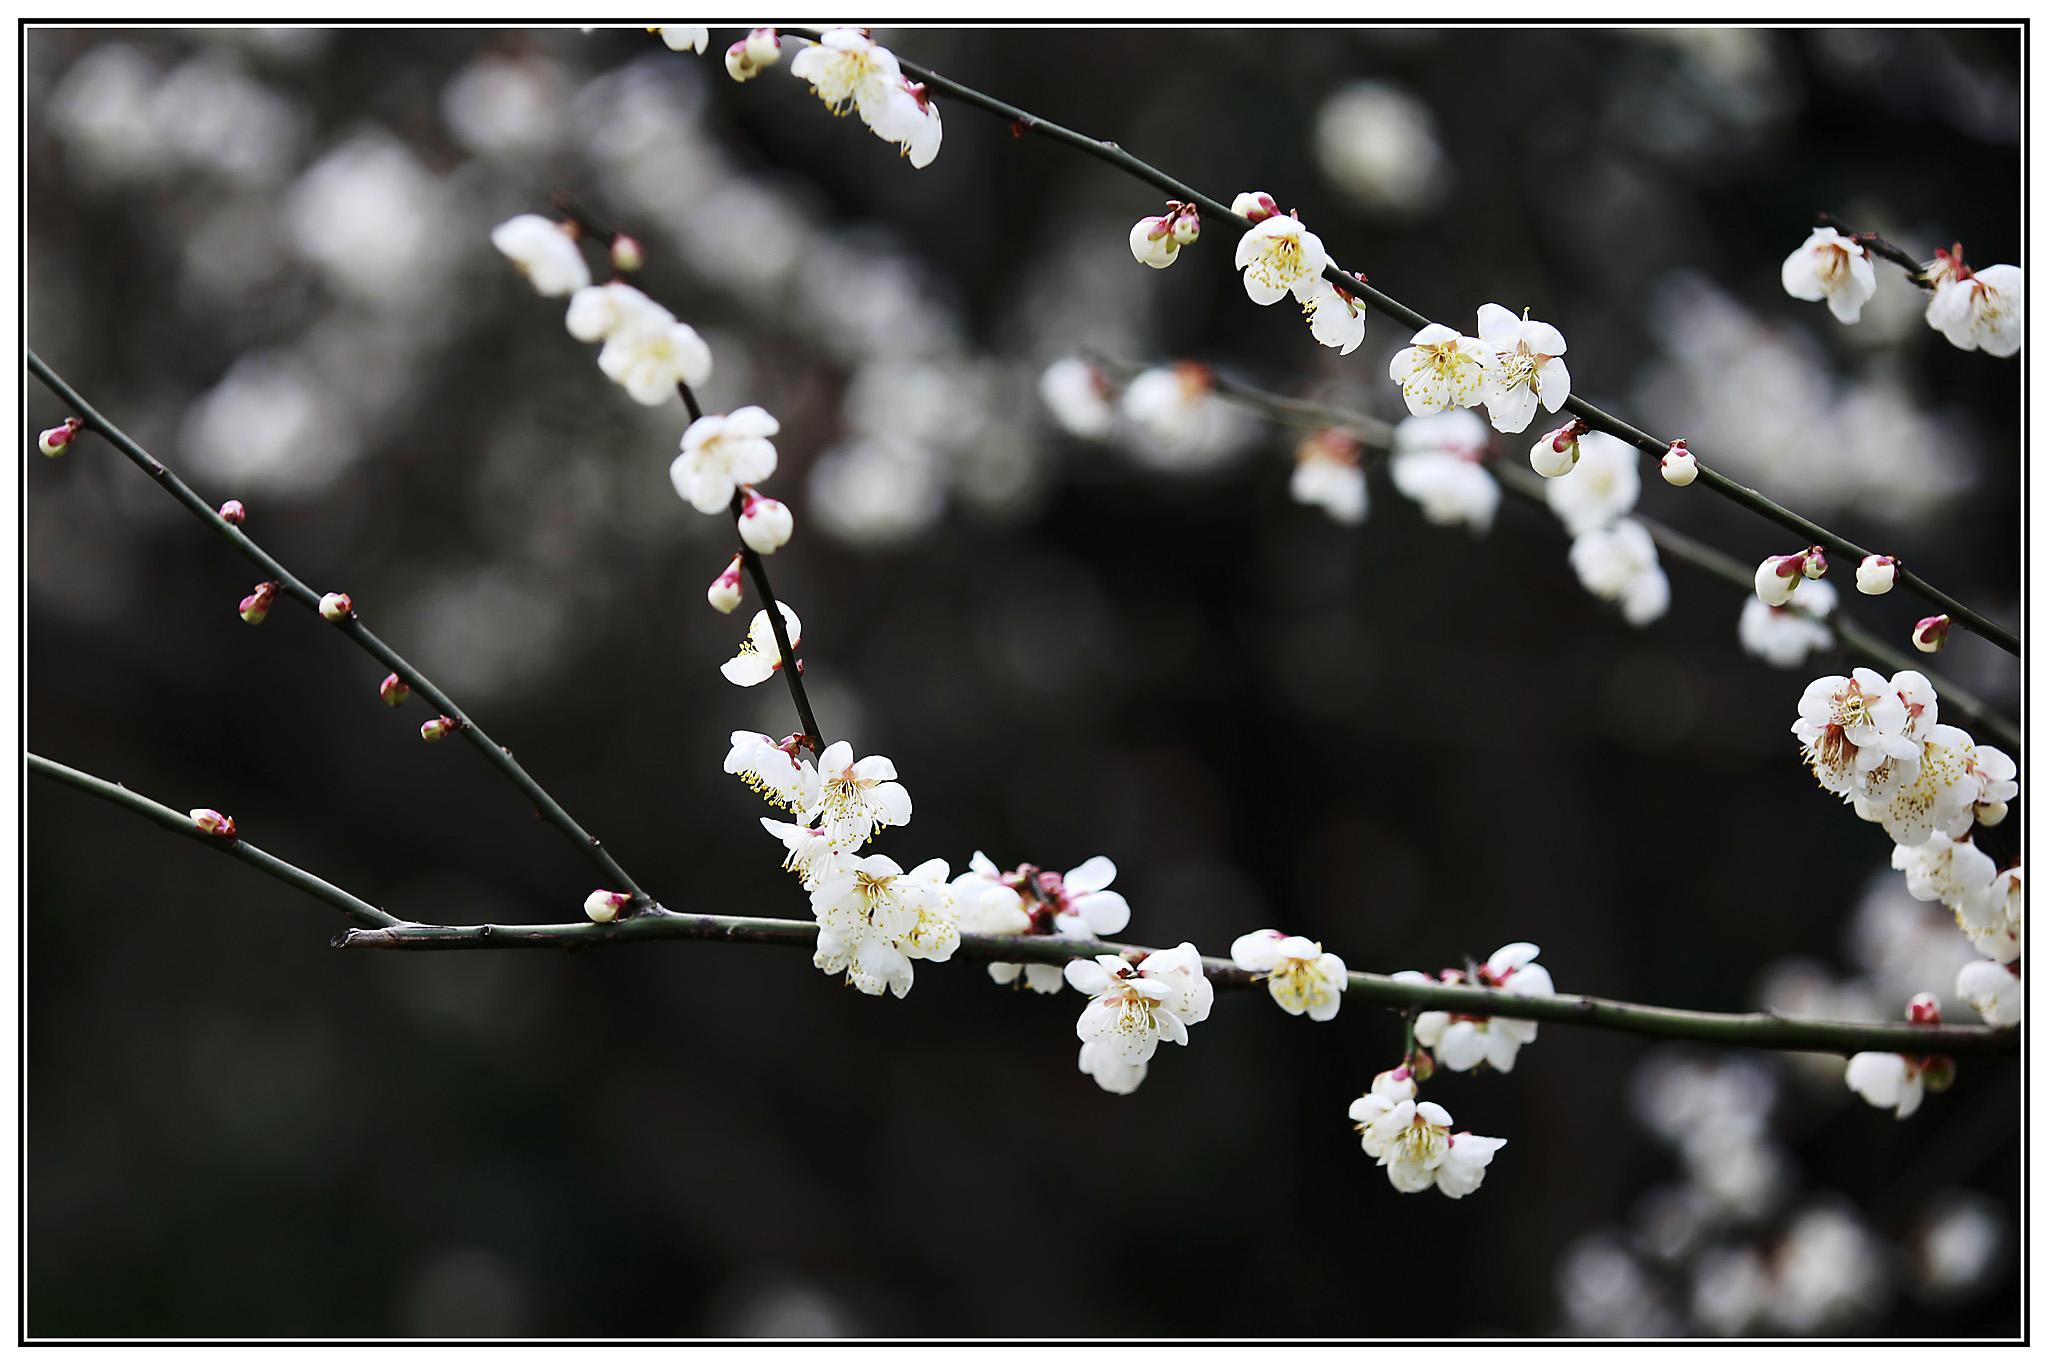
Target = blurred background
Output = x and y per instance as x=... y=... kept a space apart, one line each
x=266 y=255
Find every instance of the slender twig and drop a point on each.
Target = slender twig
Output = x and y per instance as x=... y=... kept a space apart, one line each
x=351 y=626
x=1023 y=121
x=1915 y=268
x=236 y=847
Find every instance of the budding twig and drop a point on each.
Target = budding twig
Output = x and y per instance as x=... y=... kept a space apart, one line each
x=1914 y=267
x=1808 y=531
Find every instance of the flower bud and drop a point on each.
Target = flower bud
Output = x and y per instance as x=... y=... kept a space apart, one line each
x=1421 y=1065
x=1152 y=243
x=724 y=592
x=213 y=822
x=1937 y=1073
x=1814 y=564
x=233 y=513
x=1187 y=224
x=1990 y=813
x=1876 y=575
x=394 y=690
x=337 y=606
x=1678 y=466
x=57 y=439
x=603 y=906
x=738 y=65
x=1777 y=578
x=1556 y=453
x=1254 y=206
x=764 y=47
x=765 y=524
x=1923 y=1008
x=1395 y=1085
x=436 y=730
x=626 y=254
x=257 y=604
x=1930 y=633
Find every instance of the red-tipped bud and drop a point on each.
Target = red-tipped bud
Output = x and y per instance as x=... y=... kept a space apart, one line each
x=1876 y=575
x=603 y=906
x=1777 y=578
x=337 y=606
x=764 y=47
x=1678 y=466
x=1254 y=206
x=209 y=821
x=1556 y=452
x=765 y=524
x=626 y=254
x=394 y=690
x=57 y=439
x=1814 y=564
x=1186 y=224
x=724 y=592
x=437 y=729
x=233 y=513
x=1930 y=634
x=257 y=604
x=1923 y=1008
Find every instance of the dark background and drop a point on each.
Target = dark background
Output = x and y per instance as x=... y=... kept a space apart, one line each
x=1412 y=744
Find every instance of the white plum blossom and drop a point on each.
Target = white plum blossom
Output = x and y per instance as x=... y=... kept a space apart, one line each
x=1439 y=369
x=753 y=54
x=1829 y=266
x=1618 y=563
x=1784 y=636
x=1280 y=257
x=683 y=37
x=1994 y=915
x=722 y=451
x=1462 y=1042
x=1079 y=397
x=1933 y=791
x=598 y=311
x=1978 y=309
x=849 y=71
x=856 y=798
x=874 y=919
x=807 y=850
x=1994 y=990
x=1336 y=316
x=1414 y=1142
x=1887 y=1080
x=1522 y=367
x=989 y=901
x=1439 y=464
x=759 y=659
x=649 y=354
x=545 y=252
x=1328 y=473
x=1847 y=727
x=911 y=121
x=1300 y=976
x=1598 y=490
x=1181 y=424
x=1074 y=905
x=777 y=771
x=1951 y=871
x=1132 y=1009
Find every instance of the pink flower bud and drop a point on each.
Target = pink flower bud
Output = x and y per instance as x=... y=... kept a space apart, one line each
x=1186 y=224
x=1923 y=1009
x=1930 y=634
x=57 y=439
x=724 y=592
x=233 y=513
x=1678 y=466
x=1777 y=578
x=257 y=604
x=212 y=822
x=603 y=906
x=436 y=730
x=1815 y=562
x=765 y=524
x=394 y=690
x=337 y=606
x=1254 y=206
x=1876 y=575
x=1556 y=452
x=626 y=254
x=738 y=65
x=764 y=47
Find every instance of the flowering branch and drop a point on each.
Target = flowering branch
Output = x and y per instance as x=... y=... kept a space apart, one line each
x=1810 y=532
x=281 y=579
x=1914 y=267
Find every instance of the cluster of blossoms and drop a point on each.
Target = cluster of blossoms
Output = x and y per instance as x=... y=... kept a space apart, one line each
x=1879 y=744
x=1512 y=366
x=1032 y=901
x=850 y=71
x=1133 y=1007
x=1592 y=489
x=1464 y=1042
x=1975 y=309
x=1414 y=1142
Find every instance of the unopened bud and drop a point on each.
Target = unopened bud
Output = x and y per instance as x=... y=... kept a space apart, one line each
x=257 y=604
x=436 y=730
x=1395 y=1085
x=1187 y=224
x=57 y=439
x=603 y=906
x=1990 y=813
x=233 y=513
x=1152 y=242
x=1923 y=1008
x=738 y=65
x=765 y=524
x=1777 y=578
x=724 y=592
x=1254 y=206
x=394 y=690
x=764 y=47
x=337 y=606
x=1876 y=575
x=1678 y=466
x=626 y=254
x=1554 y=455
x=1815 y=562
x=1938 y=1073
x=213 y=822
x=1930 y=634
x=1421 y=1064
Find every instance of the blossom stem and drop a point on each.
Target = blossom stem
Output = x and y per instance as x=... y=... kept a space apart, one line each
x=351 y=626
x=178 y=822
x=1214 y=210
x=1878 y=246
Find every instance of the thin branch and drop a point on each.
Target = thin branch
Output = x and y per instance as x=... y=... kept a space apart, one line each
x=1750 y=1030
x=178 y=822
x=1810 y=532
x=1914 y=267
x=544 y=805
